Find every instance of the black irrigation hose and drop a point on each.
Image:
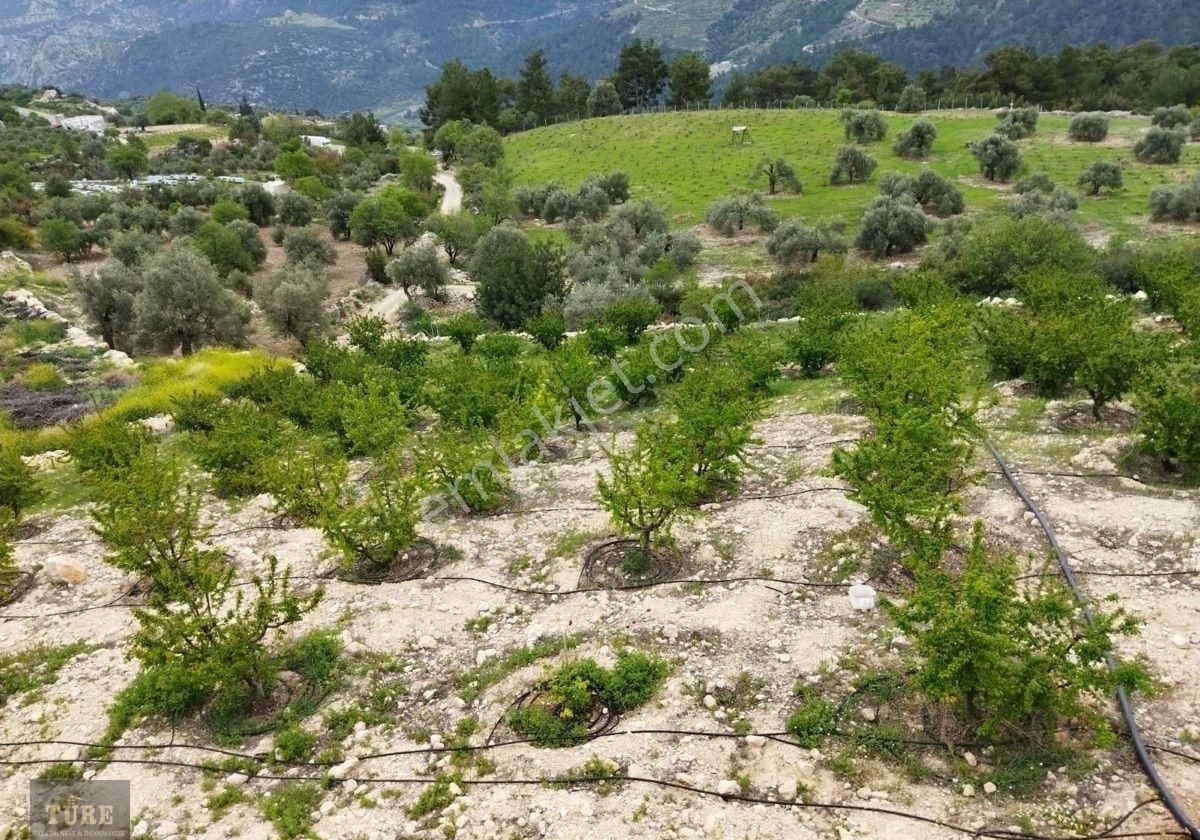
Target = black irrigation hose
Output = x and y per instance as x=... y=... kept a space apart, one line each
x=1123 y=702
x=999 y=834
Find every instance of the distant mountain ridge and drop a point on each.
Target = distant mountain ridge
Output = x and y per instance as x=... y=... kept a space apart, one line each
x=340 y=55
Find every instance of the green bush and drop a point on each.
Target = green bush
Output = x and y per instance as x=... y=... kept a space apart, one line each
x=1168 y=404
x=107 y=446
x=374 y=531
x=289 y=808
x=19 y=487
x=236 y=450
x=567 y=696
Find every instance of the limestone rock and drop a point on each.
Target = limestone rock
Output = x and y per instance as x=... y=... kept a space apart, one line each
x=65 y=571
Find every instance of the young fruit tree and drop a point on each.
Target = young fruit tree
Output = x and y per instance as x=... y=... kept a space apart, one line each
x=1090 y=127
x=730 y=215
x=1009 y=659
x=650 y=487
x=891 y=226
x=1160 y=145
x=795 y=243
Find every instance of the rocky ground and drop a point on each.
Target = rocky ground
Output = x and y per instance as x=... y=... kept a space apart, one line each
x=787 y=523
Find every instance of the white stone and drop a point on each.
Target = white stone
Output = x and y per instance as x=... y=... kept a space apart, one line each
x=685 y=779
x=1179 y=641
x=65 y=571
x=710 y=702
x=167 y=827
x=427 y=642
x=788 y=789
x=968 y=790
x=344 y=769
x=160 y=424
x=484 y=655
x=989 y=788
x=868 y=714
x=971 y=760
x=236 y=779
x=141 y=829
x=756 y=742
x=728 y=787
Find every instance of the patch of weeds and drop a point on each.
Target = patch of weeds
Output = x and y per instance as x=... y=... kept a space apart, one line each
x=37 y=667
x=480 y=623
x=1021 y=773
x=569 y=544
x=640 y=812
x=843 y=766
x=473 y=682
x=812 y=720
x=725 y=546
x=566 y=699
x=599 y=772
x=289 y=809
x=219 y=804
x=63 y=771
x=436 y=797
x=293 y=744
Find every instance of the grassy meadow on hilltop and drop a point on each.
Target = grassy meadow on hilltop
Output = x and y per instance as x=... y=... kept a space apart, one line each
x=685 y=160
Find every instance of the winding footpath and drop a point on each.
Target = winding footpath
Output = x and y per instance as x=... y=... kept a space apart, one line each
x=452 y=200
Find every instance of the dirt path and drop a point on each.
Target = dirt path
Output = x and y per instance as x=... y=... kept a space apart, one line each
x=452 y=199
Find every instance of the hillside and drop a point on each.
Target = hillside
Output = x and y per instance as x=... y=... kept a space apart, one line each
x=339 y=56
x=686 y=161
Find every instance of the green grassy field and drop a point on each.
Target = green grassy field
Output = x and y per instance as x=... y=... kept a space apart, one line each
x=685 y=160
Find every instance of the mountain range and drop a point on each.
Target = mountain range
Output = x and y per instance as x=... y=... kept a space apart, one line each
x=337 y=55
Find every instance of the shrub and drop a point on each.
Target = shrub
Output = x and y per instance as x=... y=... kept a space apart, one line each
x=548 y=329
x=305 y=245
x=225 y=211
x=997 y=156
x=1160 y=145
x=107 y=447
x=917 y=141
x=19 y=487
x=779 y=173
x=292 y=298
x=1099 y=175
x=374 y=531
x=825 y=310
x=730 y=215
x=863 y=126
x=464 y=470
x=1168 y=404
x=631 y=316
x=1016 y=123
x=1176 y=116
x=61 y=237
x=515 y=278
x=43 y=376
x=1179 y=203
x=1089 y=127
x=132 y=247
x=851 y=166
x=1009 y=658
x=567 y=696
x=237 y=448
x=296 y=210
x=463 y=329
x=1034 y=203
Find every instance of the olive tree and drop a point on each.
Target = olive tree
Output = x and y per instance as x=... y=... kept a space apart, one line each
x=419 y=268
x=1016 y=123
x=1179 y=203
x=1099 y=175
x=1160 y=145
x=863 y=126
x=891 y=226
x=1090 y=127
x=514 y=277
x=997 y=156
x=1175 y=116
x=388 y=218
x=851 y=166
x=912 y=99
x=778 y=172
x=917 y=141
x=730 y=215
x=182 y=303
x=292 y=298
x=108 y=297
x=796 y=243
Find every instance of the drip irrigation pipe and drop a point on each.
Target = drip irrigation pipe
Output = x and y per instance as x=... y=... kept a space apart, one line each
x=1126 y=707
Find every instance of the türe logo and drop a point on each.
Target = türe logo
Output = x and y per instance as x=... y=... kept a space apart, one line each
x=79 y=810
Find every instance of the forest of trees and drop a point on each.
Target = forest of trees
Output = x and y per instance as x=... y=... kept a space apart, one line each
x=1140 y=77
